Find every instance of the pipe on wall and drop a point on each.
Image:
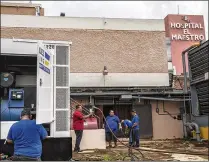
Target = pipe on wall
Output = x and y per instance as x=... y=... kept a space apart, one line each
x=197 y=129
x=162 y=99
x=184 y=65
x=166 y=112
x=185 y=74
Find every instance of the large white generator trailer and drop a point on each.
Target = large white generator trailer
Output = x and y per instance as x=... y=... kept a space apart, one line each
x=35 y=76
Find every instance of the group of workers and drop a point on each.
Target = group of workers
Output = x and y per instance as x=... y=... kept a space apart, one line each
x=112 y=126
x=27 y=136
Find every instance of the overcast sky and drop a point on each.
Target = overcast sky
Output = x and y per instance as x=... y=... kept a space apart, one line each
x=126 y=9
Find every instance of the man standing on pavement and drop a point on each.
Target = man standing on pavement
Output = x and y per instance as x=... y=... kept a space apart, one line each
x=113 y=122
x=134 y=135
x=26 y=136
x=78 y=126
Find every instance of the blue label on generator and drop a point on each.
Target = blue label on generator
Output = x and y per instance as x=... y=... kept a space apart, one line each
x=44 y=68
x=47 y=56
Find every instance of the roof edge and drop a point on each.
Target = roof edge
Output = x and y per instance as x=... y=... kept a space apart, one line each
x=26 y=5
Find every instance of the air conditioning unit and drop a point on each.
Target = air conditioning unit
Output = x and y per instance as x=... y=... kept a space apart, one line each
x=104 y=101
x=125 y=97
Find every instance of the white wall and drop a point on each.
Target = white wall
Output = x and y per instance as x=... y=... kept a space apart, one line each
x=9 y=46
x=92 y=139
x=24 y=46
x=118 y=79
x=81 y=23
x=5 y=126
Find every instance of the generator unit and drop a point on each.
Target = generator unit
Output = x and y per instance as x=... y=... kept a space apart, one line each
x=198 y=58
x=35 y=76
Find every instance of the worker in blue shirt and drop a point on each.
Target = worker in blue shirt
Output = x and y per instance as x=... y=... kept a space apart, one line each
x=113 y=122
x=127 y=123
x=134 y=135
x=26 y=136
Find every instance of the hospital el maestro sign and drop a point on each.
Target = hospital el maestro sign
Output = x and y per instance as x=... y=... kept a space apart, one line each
x=187 y=28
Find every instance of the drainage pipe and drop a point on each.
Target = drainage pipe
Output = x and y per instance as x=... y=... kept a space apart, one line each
x=184 y=65
x=197 y=129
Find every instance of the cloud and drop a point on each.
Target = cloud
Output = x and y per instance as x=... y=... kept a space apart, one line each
x=126 y=9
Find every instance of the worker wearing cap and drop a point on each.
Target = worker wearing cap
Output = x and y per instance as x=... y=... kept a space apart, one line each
x=26 y=136
x=112 y=123
x=134 y=135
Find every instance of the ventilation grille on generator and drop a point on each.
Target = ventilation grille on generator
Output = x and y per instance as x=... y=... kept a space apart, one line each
x=203 y=97
x=61 y=121
x=62 y=98
x=62 y=88
x=198 y=63
x=62 y=76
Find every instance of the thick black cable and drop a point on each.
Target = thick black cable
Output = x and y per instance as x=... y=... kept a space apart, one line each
x=114 y=134
x=138 y=149
x=129 y=147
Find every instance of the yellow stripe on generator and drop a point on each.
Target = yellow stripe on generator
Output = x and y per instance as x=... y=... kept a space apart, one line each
x=46 y=63
x=204 y=132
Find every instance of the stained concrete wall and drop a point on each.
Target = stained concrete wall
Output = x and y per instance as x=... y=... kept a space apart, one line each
x=165 y=127
x=119 y=79
x=92 y=139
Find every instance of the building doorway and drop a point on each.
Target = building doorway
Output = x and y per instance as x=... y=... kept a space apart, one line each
x=121 y=110
x=107 y=108
x=145 y=124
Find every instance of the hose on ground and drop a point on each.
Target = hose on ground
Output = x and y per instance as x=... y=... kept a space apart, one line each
x=139 y=150
x=176 y=152
x=130 y=148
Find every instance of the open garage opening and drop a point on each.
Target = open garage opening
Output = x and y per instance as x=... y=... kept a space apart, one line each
x=18 y=86
x=23 y=71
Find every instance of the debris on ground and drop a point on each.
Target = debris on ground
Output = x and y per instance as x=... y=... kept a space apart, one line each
x=187 y=148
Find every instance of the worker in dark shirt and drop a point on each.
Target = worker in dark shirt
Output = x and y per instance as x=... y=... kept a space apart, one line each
x=134 y=135
x=113 y=122
x=26 y=136
x=78 y=126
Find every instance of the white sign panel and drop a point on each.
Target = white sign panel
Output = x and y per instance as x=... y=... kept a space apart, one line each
x=44 y=108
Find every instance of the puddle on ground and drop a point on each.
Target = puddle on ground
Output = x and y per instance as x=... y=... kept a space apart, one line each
x=183 y=157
